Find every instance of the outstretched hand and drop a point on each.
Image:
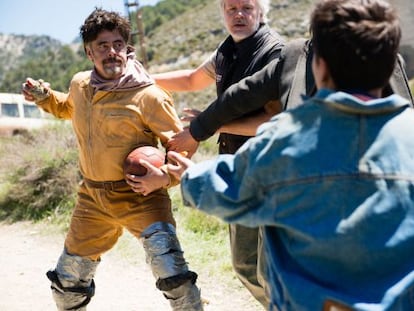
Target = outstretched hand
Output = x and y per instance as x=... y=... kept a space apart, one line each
x=183 y=141
x=153 y=180
x=35 y=90
x=177 y=164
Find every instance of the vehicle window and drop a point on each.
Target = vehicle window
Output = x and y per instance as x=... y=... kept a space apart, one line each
x=31 y=111
x=10 y=110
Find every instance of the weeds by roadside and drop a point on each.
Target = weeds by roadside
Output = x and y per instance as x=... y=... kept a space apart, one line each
x=39 y=174
x=39 y=179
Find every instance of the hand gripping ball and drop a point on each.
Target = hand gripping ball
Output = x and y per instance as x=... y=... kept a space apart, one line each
x=150 y=154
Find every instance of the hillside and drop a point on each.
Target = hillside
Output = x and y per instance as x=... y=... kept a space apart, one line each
x=180 y=34
x=38 y=57
x=185 y=41
x=16 y=49
x=188 y=38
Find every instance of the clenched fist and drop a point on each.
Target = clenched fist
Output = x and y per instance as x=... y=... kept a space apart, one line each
x=35 y=90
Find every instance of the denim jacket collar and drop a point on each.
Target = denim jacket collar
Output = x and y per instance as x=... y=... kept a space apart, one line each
x=351 y=104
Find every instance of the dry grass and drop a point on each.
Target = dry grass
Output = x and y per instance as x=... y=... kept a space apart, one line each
x=39 y=180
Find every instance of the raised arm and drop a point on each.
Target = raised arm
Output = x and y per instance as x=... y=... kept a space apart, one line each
x=247 y=95
x=186 y=80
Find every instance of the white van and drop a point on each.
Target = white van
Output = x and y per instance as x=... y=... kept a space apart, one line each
x=19 y=116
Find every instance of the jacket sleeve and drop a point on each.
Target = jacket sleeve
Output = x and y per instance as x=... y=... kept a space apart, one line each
x=159 y=114
x=227 y=187
x=249 y=94
x=58 y=104
x=162 y=119
x=214 y=187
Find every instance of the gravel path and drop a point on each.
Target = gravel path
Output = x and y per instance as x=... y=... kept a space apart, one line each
x=26 y=253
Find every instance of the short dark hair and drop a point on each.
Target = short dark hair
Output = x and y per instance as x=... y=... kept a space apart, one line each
x=100 y=20
x=358 y=39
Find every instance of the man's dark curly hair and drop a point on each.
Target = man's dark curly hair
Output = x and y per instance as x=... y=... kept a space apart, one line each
x=100 y=20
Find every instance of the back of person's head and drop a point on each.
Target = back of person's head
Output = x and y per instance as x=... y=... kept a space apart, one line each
x=358 y=39
x=100 y=20
x=264 y=7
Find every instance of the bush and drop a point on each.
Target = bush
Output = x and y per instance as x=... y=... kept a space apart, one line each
x=40 y=174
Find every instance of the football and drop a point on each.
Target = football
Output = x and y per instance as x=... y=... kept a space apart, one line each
x=150 y=154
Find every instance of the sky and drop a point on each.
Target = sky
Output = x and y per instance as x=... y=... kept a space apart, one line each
x=59 y=19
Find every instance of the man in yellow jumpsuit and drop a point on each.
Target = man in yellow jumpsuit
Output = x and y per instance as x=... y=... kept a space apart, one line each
x=114 y=108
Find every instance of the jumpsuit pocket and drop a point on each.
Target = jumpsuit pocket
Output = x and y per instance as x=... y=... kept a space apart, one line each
x=120 y=129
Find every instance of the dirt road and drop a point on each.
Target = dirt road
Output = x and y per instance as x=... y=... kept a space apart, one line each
x=122 y=284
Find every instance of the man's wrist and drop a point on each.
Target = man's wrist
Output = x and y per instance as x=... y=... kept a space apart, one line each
x=167 y=177
x=198 y=132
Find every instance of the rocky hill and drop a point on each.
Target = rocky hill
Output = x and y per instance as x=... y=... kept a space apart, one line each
x=16 y=49
x=187 y=39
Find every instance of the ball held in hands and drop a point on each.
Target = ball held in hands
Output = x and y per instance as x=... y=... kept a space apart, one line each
x=150 y=154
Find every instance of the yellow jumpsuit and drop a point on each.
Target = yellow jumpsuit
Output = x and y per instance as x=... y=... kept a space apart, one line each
x=108 y=125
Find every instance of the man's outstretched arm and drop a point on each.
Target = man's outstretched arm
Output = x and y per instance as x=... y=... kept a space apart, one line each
x=249 y=94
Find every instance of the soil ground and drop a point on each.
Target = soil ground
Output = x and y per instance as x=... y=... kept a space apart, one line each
x=122 y=284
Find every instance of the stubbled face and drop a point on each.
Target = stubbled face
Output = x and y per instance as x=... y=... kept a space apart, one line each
x=242 y=18
x=108 y=54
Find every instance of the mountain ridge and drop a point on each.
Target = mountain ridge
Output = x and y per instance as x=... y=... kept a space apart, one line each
x=183 y=40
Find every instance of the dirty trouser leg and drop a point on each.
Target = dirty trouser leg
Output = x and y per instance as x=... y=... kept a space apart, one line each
x=72 y=282
x=244 y=243
x=92 y=232
x=165 y=256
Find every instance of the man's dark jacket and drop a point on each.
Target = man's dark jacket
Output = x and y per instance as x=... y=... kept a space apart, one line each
x=237 y=60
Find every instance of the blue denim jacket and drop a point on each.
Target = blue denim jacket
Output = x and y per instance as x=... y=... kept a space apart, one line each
x=332 y=184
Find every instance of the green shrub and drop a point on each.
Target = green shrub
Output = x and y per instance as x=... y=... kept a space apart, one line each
x=40 y=174
x=194 y=220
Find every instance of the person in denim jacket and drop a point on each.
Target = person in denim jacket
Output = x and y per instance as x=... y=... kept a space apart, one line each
x=331 y=181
